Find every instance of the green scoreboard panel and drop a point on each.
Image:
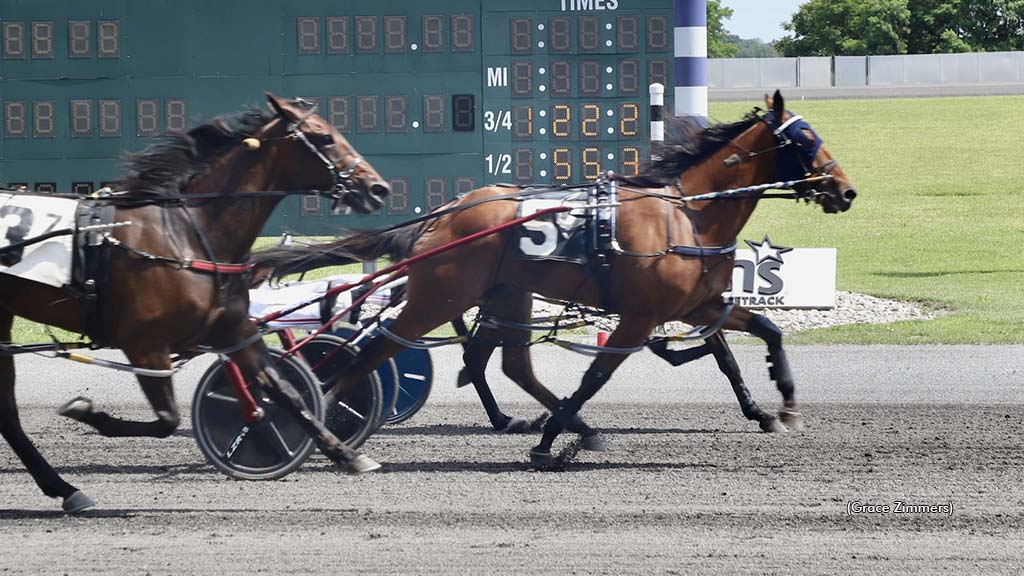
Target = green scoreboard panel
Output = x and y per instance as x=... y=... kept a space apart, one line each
x=441 y=96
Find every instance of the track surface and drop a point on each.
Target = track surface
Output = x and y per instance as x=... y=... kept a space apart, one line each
x=689 y=486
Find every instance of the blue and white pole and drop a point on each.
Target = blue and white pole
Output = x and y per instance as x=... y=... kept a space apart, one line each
x=691 y=51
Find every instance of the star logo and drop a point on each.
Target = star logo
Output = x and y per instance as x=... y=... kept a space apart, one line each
x=764 y=250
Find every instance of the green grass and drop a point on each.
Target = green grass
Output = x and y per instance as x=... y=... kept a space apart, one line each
x=939 y=219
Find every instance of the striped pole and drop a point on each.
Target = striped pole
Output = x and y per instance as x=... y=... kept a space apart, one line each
x=657 y=94
x=691 y=51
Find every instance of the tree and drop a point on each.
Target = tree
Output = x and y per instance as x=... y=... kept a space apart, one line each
x=751 y=47
x=718 y=46
x=847 y=28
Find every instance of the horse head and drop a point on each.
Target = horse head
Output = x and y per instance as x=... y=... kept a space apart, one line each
x=325 y=158
x=803 y=156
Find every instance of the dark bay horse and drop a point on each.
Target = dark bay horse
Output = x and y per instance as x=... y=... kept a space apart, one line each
x=649 y=283
x=176 y=277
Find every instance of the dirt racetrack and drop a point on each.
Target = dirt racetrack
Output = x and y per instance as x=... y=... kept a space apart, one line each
x=687 y=488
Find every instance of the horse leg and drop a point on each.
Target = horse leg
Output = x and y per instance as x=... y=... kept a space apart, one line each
x=159 y=392
x=778 y=364
x=727 y=364
x=476 y=354
x=10 y=427
x=257 y=367
x=630 y=333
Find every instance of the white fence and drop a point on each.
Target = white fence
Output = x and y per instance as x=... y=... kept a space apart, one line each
x=844 y=71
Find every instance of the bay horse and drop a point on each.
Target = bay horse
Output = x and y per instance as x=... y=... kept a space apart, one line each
x=650 y=283
x=176 y=277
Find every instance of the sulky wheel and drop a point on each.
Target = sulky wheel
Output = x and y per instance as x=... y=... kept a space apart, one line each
x=267 y=450
x=353 y=418
x=415 y=376
x=387 y=372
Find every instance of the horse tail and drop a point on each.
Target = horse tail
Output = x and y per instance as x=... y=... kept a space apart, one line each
x=396 y=244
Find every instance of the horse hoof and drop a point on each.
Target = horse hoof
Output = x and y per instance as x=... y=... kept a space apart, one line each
x=361 y=464
x=541 y=460
x=77 y=408
x=772 y=425
x=793 y=419
x=593 y=443
x=516 y=426
x=463 y=378
x=77 y=502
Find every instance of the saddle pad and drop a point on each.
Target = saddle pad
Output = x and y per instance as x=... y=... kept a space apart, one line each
x=270 y=298
x=560 y=236
x=24 y=216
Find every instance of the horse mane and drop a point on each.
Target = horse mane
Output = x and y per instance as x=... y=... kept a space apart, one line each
x=166 y=167
x=688 y=143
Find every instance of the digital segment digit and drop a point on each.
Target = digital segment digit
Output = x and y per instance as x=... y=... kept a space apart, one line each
x=462 y=32
x=177 y=115
x=42 y=113
x=561 y=121
x=14 y=40
x=433 y=113
x=434 y=192
x=81 y=118
x=522 y=122
x=521 y=36
x=590 y=78
x=394 y=34
x=657 y=33
x=42 y=40
x=628 y=33
x=337 y=35
x=398 y=198
x=366 y=109
x=366 y=34
x=561 y=78
x=629 y=119
x=337 y=112
x=146 y=124
x=629 y=160
x=397 y=108
x=590 y=121
x=522 y=79
x=559 y=40
x=110 y=118
x=591 y=163
x=464 y=113
x=629 y=77
x=79 y=39
x=109 y=33
x=589 y=34
x=523 y=169
x=561 y=164
x=14 y=119
x=308 y=35
x=432 y=33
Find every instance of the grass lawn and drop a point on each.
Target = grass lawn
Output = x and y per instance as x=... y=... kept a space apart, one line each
x=939 y=219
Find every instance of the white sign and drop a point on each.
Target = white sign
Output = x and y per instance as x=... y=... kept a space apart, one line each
x=769 y=276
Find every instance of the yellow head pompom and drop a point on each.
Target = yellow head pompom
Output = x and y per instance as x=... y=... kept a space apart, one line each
x=251 y=143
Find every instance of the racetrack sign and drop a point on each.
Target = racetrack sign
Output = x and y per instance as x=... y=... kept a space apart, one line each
x=770 y=276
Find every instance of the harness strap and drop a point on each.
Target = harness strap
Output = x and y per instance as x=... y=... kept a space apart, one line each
x=703 y=251
x=217 y=267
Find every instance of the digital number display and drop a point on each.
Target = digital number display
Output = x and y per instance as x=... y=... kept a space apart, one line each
x=398 y=198
x=81 y=118
x=591 y=160
x=522 y=122
x=366 y=34
x=434 y=193
x=42 y=39
x=627 y=30
x=177 y=116
x=14 y=119
x=657 y=71
x=366 y=109
x=14 y=40
x=433 y=113
x=337 y=35
x=109 y=34
x=464 y=113
x=146 y=123
x=522 y=79
x=561 y=78
x=79 y=39
x=629 y=160
x=629 y=77
x=561 y=121
x=590 y=121
x=523 y=159
x=432 y=33
x=310 y=204
x=464 y=185
x=309 y=35
x=590 y=78
x=521 y=35
x=47 y=187
x=589 y=34
x=462 y=33
x=42 y=112
x=110 y=118
x=394 y=34
x=559 y=35
x=629 y=119
x=657 y=34
x=81 y=188
x=397 y=109
x=561 y=164
x=337 y=112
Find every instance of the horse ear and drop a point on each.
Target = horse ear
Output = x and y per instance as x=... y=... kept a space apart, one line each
x=778 y=105
x=279 y=106
x=767 y=102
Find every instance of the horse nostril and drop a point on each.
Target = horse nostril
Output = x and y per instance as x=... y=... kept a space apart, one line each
x=849 y=195
x=380 y=190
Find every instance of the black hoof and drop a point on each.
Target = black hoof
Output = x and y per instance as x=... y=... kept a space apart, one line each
x=593 y=443
x=772 y=425
x=541 y=460
x=538 y=423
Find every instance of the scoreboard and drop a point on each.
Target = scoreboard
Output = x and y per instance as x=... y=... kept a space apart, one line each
x=442 y=96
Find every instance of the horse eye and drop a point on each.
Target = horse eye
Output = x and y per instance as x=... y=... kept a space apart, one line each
x=320 y=138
